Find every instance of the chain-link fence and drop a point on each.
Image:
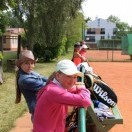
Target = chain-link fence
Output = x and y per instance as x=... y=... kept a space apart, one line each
x=107 y=55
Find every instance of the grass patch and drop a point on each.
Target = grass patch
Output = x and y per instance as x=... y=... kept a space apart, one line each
x=6 y=56
x=9 y=111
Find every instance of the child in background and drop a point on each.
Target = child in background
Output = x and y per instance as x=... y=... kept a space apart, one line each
x=79 y=54
x=82 y=43
x=83 y=52
x=76 y=56
x=28 y=82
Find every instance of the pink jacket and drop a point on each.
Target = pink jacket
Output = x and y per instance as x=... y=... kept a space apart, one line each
x=52 y=107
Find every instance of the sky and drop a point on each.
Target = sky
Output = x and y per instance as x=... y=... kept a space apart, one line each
x=104 y=8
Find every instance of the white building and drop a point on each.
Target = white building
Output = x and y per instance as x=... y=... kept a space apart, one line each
x=99 y=29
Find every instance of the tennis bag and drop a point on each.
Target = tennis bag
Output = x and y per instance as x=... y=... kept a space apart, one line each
x=72 y=121
x=100 y=90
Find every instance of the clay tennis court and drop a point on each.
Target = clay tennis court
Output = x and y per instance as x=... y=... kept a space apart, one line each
x=119 y=77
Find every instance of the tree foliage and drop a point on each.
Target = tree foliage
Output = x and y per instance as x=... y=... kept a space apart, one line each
x=44 y=21
x=122 y=27
x=11 y=20
x=4 y=6
x=73 y=30
x=2 y=24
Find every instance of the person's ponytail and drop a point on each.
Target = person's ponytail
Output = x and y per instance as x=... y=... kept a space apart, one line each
x=18 y=91
x=51 y=77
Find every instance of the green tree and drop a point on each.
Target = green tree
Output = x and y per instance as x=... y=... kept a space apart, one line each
x=44 y=21
x=4 y=5
x=11 y=20
x=3 y=23
x=87 y=19
x=122 y=27
x=73 y=30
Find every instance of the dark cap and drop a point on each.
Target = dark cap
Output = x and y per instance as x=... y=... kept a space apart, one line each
x=76 y=45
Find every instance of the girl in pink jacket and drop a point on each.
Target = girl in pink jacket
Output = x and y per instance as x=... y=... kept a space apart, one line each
x=60 y=92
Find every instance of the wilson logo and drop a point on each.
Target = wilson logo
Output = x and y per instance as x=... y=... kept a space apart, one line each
x=103 y=94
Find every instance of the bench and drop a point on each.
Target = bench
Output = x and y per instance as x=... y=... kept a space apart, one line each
x=89 y=122
x=106 y=124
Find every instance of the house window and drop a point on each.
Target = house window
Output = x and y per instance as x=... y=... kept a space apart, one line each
x=91 y=38
x=102 y=31
x=87 y=38
x=13 y=40
x=102 y=37
x=114 y=30
x=91 y=31
x=99 y=22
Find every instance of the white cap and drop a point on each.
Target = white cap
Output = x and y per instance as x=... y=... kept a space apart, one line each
x=68 y=67
x=86 y=66
x=84 y=46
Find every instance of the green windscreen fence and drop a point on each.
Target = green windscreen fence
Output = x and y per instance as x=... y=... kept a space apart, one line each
x=126 y=44
x=129 y=44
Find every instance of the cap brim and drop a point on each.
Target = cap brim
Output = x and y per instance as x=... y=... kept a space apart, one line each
x=73 y=72
x=80 y=74
x=19 y=62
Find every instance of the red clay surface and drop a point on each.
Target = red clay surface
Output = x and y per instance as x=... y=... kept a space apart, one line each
x=118 y=75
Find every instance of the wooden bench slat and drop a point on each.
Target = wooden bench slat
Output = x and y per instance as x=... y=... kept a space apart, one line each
x=117 y=113
x=106 y=124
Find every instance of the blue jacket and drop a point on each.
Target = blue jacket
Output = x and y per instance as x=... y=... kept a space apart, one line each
x=30 y=84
